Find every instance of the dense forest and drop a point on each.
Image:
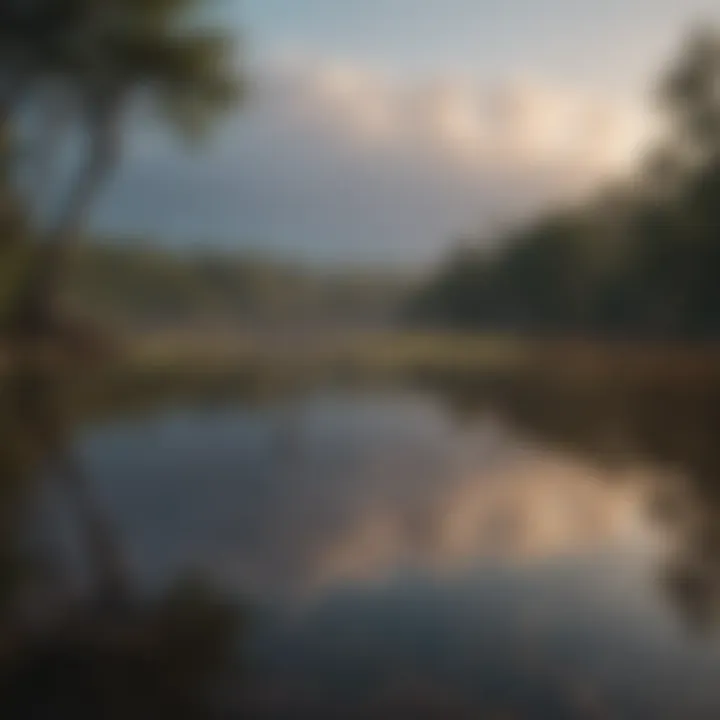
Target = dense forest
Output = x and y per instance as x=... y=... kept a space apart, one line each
x=641 y=259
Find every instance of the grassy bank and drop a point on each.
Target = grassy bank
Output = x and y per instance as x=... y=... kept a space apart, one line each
x=390 y=353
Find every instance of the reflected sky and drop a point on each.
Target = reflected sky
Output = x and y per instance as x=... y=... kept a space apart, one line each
x=344 y=490
x=404 y=558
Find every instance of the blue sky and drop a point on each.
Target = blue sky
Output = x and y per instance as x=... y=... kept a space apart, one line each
x=381 y=130
x=615 y=42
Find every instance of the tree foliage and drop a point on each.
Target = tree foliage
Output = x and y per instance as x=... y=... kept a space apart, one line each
x=73 y=73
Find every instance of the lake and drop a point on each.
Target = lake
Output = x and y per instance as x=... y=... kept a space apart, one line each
x=441 y=547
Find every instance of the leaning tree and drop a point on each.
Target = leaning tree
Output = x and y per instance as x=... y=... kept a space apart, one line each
x=73 y=73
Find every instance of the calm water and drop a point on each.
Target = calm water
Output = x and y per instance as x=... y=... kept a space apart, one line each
x=501 y=550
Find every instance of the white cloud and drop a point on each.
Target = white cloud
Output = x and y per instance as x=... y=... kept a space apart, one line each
x=343 y=161
x=517 y=125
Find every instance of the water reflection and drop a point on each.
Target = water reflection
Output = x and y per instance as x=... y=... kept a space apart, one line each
x=514 y=546
x=78 y=638
x=673 y=428
x=369 y=484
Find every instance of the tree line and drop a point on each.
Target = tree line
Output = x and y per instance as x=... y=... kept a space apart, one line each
x=136 y=284
x=640 y=260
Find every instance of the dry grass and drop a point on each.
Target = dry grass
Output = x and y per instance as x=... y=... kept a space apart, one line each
x=391 y=353
x=400 y=352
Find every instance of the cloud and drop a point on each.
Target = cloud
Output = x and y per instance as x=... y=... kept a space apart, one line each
x=514 y=127
x=339 y=161
x=433 y=501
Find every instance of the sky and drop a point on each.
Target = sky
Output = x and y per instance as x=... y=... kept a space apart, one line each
x=383 y=131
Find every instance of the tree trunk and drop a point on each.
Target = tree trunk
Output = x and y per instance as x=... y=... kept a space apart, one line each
x=108 y=570
x=38 y=312
x=41 y=405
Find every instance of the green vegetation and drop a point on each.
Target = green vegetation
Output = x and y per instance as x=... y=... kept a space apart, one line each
x=640 y=262
x=74 y=69
x=136 y=286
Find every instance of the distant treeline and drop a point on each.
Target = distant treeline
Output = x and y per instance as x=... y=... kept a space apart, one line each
x=638 y=261
x=142 y=285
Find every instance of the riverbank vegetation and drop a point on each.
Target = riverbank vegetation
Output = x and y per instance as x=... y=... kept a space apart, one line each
x=629 y=278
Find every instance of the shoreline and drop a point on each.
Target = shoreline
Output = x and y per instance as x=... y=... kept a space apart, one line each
x=376 y=352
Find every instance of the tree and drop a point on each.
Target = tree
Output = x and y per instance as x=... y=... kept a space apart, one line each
x=691 y=95
x=643 y=262
x=78 y=68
